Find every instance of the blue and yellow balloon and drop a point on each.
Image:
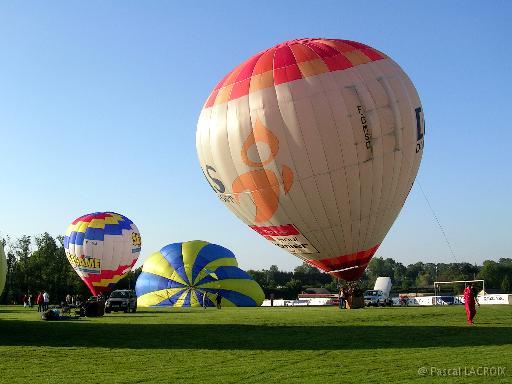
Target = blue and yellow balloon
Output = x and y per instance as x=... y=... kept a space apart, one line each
x=190 y=273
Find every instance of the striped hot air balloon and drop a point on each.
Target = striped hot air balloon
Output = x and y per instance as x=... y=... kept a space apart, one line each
x=315 y=144
x=102 y=247
x=191 y=274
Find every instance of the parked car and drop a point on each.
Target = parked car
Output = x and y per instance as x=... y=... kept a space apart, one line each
x=121 y=300
x=379 y=296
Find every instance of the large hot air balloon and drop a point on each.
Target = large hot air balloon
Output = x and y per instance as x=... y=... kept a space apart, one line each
x=315 y=144
x=102 y=247
x=185 y=274
x=3 y=268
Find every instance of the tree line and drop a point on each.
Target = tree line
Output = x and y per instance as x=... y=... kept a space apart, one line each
x=40 y=263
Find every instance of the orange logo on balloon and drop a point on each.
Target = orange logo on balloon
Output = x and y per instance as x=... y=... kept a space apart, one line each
x=262 y=184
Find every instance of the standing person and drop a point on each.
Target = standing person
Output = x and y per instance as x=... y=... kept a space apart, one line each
x=39 y=302
x=25 y=301
x=205 y=297
x=46 y=300
x=469 y=302
x=30 y=300
x=342 y=297
x=218 y=299
x=68 y=299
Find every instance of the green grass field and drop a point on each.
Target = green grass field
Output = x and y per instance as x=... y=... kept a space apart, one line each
x=255 y=345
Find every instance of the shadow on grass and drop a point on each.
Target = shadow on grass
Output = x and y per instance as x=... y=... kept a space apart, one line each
x=243 y=337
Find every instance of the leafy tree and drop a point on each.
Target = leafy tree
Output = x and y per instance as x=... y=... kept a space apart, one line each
x=505 y=284
x=490 y=273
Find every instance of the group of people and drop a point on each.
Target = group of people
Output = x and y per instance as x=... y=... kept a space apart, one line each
x=27 y=300
x=218 y=300
x=470 y=299
x=348 y=294
x=42 y=301
x=74 y=300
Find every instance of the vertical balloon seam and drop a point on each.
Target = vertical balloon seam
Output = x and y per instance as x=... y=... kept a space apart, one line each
x=400 y=194
x=297 y=180
x=111 y=238
x=317 y=175
x=281 y=210
x=367 y=197
x=321 y=216
x=365 y=168
x=360 y=162
x=392 y=100
x=397 y=200
x=252 y=110
x=342 y=166
x=108 y=240
x=216 y=135
x=346 y=163
x=200 y=147
x=232 y=147
x=256 y=111
x=373 y=131
x=355 y=211
x=285 y=154
x=395 y=195
x=353 y=162
x=370 y=233
x=246 y=212
x=251 y=96
x=315 y=230
x=300 y=181
x=212 y=139
x=331 y=170
x=317 y=178
x=377 y=164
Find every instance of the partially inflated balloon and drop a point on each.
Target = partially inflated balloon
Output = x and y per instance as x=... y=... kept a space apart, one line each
x=102 y=247
x=191 y=274
x=315 y=144
x=3 y=268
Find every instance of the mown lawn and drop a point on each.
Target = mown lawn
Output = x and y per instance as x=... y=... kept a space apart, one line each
x=259 y=345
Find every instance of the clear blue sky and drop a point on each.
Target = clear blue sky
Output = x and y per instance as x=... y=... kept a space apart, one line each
x=99 y=102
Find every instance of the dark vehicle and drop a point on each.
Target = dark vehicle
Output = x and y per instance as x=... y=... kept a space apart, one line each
x=121 y=300
x=93 y=307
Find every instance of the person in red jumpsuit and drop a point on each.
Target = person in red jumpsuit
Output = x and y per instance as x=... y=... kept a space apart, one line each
x=469 y=302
